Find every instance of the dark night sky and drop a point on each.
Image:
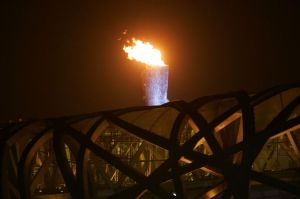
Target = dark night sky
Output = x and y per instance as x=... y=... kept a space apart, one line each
x=62 y=58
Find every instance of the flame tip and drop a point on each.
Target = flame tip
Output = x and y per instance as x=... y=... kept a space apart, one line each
x=144 y=52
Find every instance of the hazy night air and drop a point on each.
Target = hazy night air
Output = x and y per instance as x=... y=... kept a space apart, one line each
x=61 y=58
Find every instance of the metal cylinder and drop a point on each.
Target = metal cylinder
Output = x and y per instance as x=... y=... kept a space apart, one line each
x=156 y=85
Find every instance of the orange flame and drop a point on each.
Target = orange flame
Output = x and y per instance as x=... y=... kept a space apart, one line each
x=144 y=52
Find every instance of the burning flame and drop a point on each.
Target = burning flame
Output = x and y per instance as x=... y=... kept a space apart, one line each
x=144 y=52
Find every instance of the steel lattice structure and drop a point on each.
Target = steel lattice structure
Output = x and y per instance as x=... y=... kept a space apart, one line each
x=224 y=146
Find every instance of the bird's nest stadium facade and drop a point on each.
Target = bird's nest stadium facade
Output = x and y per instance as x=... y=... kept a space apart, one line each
x=231 y=145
